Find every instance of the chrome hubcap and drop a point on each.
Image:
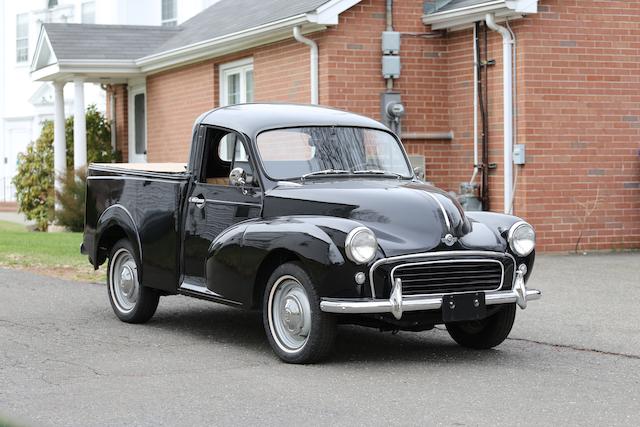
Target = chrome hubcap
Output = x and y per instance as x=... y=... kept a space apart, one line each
x=289 y=314
x=124 y=281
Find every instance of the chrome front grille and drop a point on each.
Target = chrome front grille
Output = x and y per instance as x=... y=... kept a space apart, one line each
x=447 y=276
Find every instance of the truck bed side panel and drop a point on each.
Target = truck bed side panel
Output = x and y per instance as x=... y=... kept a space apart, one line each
x=153 y=203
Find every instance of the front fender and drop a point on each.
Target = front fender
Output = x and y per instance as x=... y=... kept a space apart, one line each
x=493 y=227
x=236 y=256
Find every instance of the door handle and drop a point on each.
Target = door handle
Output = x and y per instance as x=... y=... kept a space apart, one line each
x=199 y=202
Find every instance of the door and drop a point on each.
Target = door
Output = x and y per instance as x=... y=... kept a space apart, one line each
x=137 y=124
x=214 y=204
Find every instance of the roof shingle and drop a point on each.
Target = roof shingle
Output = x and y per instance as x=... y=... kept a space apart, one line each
x=114 y=42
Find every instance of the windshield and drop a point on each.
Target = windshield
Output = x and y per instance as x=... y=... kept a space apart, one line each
x=317 y=151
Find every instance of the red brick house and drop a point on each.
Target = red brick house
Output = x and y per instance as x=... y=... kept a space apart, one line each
x=575 y=92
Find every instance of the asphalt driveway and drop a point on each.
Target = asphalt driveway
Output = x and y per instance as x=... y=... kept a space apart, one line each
x=572 y=358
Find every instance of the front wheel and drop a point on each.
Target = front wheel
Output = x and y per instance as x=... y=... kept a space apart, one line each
x=296 y=328
x=486 y=333
x=131 y=302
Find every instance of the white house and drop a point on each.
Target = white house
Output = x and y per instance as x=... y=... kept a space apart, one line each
x=24 y=104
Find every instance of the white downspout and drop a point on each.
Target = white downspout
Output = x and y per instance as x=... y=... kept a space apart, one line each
x=475 y=106
x=507 y=42
x=297 y=34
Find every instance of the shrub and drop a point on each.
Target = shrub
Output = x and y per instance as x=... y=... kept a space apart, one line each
x=34 y=179
x=71 y=200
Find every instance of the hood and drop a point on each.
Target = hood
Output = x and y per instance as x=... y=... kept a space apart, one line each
x=406 y=216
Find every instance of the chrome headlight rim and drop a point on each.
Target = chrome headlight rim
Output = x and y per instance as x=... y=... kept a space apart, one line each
x=349 y=247
x=511 y=238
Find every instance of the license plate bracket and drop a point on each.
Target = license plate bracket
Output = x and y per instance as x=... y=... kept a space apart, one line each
x=463 y=307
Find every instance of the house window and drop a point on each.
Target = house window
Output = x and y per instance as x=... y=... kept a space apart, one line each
x=52 y=3
x=236 y=82
x=88 y=10
x=22 y=37
x=169 y=13
x=140 y=124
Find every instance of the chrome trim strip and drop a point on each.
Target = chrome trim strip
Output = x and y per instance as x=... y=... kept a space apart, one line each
x=442 y=209
x=444 y=261
x=201 y=290
x=227 y=202
x=367 y=306
x=135 y=178
x=449 y=254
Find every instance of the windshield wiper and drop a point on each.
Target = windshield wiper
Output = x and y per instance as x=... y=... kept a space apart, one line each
x=325 y=172
x=377 y=172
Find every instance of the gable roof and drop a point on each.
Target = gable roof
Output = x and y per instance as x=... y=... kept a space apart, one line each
x=226 y=26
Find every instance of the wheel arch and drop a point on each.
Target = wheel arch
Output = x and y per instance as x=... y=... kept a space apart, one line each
x=268 y=265
x=114 y=224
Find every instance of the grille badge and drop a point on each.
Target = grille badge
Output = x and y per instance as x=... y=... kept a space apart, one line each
x=449 y=240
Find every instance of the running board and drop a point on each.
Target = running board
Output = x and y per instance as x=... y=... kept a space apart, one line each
x=204 y=293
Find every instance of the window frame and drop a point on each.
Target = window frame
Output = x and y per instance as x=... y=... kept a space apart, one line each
x=83 y=13
x=20 y=59
x=241 y=67
x=134 y=90
x=169 y=22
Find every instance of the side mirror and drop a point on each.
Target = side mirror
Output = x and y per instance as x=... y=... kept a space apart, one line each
x=419 y=173
x=238 y=177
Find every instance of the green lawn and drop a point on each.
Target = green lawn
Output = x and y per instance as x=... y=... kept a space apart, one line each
x=56 y=254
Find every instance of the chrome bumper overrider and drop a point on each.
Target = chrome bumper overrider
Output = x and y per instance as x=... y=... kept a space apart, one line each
x=397 y=304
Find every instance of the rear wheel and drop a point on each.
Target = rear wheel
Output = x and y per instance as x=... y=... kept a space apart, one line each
x=131 y=302
x=296 y=328
x=485 y=333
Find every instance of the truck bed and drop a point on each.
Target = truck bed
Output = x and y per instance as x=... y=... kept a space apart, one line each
x=145 y=201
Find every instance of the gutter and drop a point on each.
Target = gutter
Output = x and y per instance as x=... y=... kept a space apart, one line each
x=465 y=17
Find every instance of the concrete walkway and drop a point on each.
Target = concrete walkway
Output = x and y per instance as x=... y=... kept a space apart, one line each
x=16 y=217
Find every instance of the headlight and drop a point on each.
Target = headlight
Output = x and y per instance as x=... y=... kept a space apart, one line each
x=522 y=238
x=361 y=245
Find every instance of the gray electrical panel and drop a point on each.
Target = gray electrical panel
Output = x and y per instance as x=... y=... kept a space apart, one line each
x=519 y=154
x=391 y=67
x=390 y=42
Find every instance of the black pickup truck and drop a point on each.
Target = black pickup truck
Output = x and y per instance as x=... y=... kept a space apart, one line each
x=314 y=216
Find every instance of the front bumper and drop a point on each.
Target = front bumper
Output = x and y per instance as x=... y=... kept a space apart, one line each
x=397 y=304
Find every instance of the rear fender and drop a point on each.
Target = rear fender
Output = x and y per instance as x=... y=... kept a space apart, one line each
x=112 y=217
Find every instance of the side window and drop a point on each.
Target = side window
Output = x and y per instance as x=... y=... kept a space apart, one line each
x=222 y=152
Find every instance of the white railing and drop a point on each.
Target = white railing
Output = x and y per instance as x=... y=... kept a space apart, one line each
x=8 y=191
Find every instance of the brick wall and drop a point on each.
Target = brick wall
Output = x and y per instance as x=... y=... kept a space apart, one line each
x=578 y=106
x=175 y=98
x=121 y=118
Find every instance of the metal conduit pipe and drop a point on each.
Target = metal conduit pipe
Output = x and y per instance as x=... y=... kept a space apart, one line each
x=313 y=46
x=507 y=82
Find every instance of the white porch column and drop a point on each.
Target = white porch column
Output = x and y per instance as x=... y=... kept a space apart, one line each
x=79 y=126
x=59 y=142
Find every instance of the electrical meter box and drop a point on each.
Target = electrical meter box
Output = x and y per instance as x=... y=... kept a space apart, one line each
x=390 y=42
